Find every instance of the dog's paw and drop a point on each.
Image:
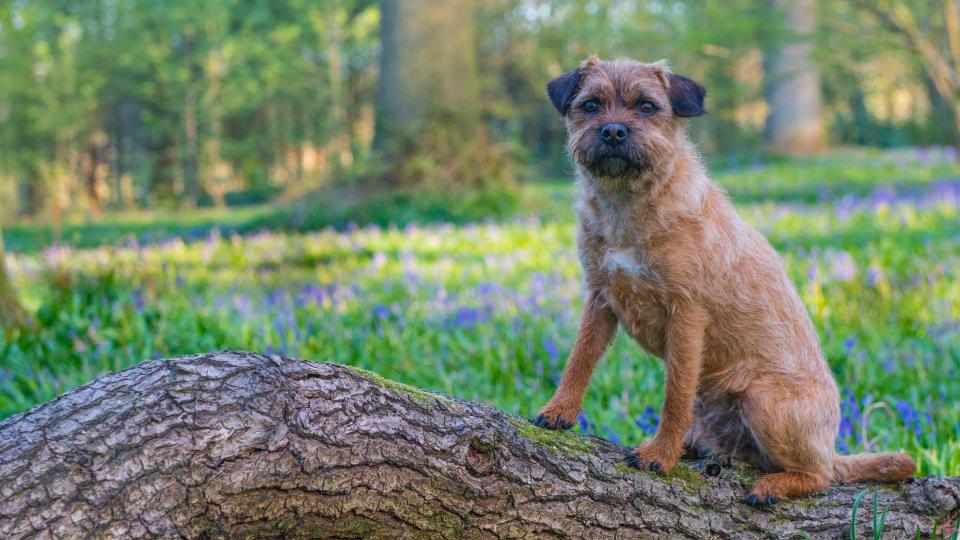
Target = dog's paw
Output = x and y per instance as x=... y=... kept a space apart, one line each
x=650 y=457
x=764 y=493
x=762 y=500
x=551 y=417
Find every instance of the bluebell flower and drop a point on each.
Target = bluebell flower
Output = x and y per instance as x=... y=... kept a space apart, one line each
x=551 y=349
x=587 y=427
x=611 y=436
x=648 y=421
x=467 y=317
x=138 y=299
x=842 y=266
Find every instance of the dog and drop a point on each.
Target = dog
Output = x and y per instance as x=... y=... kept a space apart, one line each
x=667 y=258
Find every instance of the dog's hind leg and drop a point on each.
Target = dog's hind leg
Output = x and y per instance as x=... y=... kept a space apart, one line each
x=794 y=426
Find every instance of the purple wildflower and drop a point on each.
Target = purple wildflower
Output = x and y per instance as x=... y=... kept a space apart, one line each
x=551 y=349
x=138 y=299
x=842 y=266
x=467 y=317
x=648 y=421
x=381 y=311
x=587 y=427
x=611 y=436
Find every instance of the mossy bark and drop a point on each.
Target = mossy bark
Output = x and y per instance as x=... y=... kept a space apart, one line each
x=240 y=445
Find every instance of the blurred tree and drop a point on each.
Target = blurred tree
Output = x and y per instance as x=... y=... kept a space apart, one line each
x=428 y=111
x=932 y=31
x=794 y=122
x=12 y=314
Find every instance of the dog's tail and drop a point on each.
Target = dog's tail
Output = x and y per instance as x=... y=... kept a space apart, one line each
x=890 y=467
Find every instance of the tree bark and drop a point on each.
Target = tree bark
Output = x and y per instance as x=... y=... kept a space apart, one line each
x=236 y=444
x=792 y=84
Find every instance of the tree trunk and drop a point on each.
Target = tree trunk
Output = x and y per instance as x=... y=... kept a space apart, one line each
x=428 y=98
x=91 y=164
x=190 y=161
x=237 y=444
x=792 y=84
x=12 y=314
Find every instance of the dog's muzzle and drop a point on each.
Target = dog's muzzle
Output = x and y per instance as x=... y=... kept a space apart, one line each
x=614 y=163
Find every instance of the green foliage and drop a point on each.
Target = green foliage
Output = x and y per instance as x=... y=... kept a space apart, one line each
x=338 y=208
x=180 y=102
x=94 y=323
x=349 y=207
x=166 y=105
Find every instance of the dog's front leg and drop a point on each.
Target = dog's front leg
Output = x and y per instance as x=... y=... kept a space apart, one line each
x=598 y=325
x=684 y=352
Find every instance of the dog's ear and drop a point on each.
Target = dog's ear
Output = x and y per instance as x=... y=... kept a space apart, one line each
x=686 y=96
x=562 y=90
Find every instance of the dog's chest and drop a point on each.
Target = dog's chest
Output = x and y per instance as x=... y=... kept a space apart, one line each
x=634 y=289
x=619 y=264
x=629 y=265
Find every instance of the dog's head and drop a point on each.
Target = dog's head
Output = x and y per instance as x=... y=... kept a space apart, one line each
x=623 y=116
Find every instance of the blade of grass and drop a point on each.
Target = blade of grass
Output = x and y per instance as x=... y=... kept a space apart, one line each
x=853 y=514
x=878 y=531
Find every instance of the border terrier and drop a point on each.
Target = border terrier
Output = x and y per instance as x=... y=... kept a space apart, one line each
x=667 y=258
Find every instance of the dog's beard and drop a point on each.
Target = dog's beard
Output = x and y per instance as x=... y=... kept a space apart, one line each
x=612 y=162
x=611 y=166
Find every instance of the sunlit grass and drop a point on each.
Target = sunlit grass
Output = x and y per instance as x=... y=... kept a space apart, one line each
x=488 y=311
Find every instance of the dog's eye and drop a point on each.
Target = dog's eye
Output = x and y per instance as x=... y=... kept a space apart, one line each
x=591 y=106
x=647 y=107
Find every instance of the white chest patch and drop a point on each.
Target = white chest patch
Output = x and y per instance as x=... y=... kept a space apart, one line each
x=628 y=261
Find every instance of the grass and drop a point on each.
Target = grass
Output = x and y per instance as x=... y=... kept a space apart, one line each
x=487 y=310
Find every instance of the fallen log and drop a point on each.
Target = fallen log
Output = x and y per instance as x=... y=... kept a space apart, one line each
x=235 y=444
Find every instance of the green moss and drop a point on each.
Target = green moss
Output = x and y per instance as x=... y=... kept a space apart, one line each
x=421 y=396
x=690 y=480
x=743 y=474
x=890 y=488
x=556 y=441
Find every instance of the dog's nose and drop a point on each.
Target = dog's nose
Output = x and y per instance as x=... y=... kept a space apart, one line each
x=613 y=133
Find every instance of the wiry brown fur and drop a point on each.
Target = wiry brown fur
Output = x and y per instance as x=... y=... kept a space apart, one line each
x=666 y=257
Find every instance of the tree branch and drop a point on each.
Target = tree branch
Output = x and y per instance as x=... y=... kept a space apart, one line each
x=236 y=444
x=899 y=20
